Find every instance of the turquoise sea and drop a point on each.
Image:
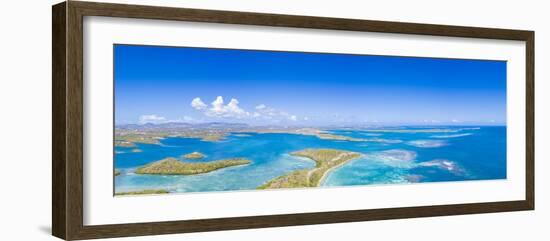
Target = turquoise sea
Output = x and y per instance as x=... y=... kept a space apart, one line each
x=390 y=156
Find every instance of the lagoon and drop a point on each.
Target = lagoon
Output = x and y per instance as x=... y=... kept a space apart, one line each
x=388 y=156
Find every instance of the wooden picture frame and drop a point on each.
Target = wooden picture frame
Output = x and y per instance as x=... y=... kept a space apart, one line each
x=67 y=137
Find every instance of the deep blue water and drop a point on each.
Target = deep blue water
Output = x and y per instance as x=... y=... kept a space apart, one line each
x=466 y=153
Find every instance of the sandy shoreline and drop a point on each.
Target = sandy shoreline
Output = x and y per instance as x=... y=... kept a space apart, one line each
x=326 y=161
x=325 y=175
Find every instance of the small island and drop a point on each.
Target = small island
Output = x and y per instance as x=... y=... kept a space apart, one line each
x=117 y=172
x=152 y=135
x=328 y=136
x=321 y=134
x=143 y=192
x=325 y=161
x=120 y=143
x=130 y=139
x=194 y=155
x=173 y=166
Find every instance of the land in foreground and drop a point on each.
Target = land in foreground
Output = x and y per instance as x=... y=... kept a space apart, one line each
x=325 y=161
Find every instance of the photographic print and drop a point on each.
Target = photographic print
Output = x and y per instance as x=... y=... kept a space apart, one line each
x=191 y=119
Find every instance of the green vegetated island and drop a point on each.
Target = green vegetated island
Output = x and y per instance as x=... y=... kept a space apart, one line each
x=325 y=161
x=129 y=136
x=321 y=134
x=173 y=166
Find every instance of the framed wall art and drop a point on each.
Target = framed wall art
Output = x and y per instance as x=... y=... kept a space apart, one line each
x=170 y=120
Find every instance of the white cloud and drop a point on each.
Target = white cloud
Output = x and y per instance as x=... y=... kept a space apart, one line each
x=217 y=106
x=154 y=119
x=431 y=121
x=265 y=111
x=234 y=109
x=198 y=104
x=260 y=107
x=219 y=109
x=455 y=121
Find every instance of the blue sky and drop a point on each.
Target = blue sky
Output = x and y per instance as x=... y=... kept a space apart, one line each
x=165 y=84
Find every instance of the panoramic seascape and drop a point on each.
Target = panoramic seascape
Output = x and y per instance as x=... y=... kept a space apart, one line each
x=205 y=120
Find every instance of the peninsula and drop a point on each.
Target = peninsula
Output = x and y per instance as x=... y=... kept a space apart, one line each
x=325 y=161
x=173 y=166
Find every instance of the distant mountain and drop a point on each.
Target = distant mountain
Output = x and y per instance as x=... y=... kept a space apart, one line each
x=222 y=125
x=181 y=125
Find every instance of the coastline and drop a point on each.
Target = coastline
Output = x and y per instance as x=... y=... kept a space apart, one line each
x=173 y=166
x=326 y=161
x=330 y=170
x=143 y=192
x=131 y=137
x=332 y=174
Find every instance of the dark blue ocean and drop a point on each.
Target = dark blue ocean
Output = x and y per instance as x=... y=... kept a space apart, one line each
x=390 y=156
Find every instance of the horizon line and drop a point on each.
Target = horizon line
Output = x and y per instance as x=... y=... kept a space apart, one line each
x=317 y=125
